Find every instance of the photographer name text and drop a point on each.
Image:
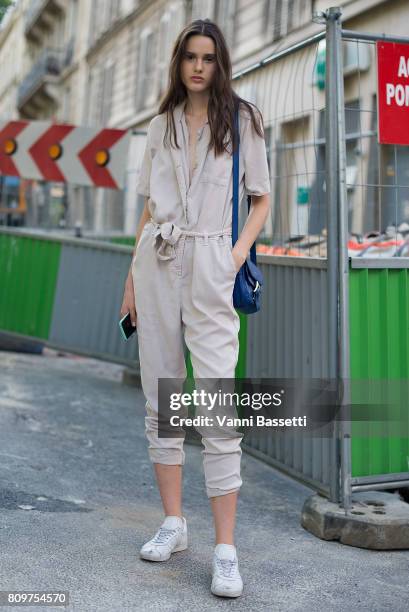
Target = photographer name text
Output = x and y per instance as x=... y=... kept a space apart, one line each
x=223 y=421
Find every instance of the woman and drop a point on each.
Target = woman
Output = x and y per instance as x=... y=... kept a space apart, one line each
x=183 y=269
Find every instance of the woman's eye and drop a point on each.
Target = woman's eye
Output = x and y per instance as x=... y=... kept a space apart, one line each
x=206 y=59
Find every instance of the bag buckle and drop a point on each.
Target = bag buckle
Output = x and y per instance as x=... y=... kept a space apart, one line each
x=257 y=287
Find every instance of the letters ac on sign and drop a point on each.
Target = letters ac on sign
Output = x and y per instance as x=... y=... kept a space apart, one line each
x=393 y=93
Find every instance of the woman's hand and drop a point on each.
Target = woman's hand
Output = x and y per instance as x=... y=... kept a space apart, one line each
x=239 y=258
x=128 y=302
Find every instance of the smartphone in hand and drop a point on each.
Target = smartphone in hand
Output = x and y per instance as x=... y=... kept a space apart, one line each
x=126 y=327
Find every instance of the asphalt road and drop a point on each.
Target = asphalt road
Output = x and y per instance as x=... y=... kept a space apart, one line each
x=78 y=499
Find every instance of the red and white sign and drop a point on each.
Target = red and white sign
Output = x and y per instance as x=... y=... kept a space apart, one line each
x=43 y=150
x=393 y=93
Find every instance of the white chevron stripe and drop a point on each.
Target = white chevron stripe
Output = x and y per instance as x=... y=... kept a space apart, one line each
x=118 y=159
x=70 y=164
x=23 y=160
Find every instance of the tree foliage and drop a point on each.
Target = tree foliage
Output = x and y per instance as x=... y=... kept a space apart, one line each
x=4 y=5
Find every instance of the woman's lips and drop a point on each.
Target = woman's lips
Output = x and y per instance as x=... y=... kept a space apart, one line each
x=197 y=79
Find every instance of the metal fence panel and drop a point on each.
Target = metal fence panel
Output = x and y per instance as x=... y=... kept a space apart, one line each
x=288 y=339
x=88 y=299
x=66 y=292
x=361 y=168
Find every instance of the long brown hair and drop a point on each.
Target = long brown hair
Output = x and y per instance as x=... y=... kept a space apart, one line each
x=222 y=99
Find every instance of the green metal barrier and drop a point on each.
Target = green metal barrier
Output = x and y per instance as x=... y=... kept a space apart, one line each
x=379 y=349
x=29 y=271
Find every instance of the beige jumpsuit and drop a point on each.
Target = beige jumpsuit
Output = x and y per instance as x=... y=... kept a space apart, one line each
x=183 y=272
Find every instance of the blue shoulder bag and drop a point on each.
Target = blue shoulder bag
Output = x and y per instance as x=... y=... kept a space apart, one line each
x=249 y=280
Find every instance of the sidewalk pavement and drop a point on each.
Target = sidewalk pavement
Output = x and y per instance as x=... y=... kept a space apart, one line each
x=78 y=499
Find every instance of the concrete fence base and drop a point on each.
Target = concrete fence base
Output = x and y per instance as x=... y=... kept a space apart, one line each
x=376 y=520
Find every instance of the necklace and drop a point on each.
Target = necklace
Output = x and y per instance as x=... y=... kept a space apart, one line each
x=193 y=151
x=189 y=122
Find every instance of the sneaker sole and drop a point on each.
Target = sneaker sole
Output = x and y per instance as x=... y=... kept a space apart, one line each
x=178 y=548
x=221 y=593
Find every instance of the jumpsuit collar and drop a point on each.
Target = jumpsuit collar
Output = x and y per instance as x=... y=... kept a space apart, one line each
x=178 y=156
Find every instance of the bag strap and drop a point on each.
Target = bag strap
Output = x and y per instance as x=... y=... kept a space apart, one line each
x=235 y=220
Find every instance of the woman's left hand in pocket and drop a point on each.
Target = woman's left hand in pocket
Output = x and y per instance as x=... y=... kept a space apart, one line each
x=239 y=258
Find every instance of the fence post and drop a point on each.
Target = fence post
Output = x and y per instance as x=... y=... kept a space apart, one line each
x=331 y=190
x=343 y=285
x=337 y=257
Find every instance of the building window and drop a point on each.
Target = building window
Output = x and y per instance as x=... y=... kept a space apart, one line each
x=103 y=14
x=114 y=10
x=145 y=84
x=107 y=88
x=164 y=52
x=284 y=16
x=273 y=18
x=100 y=94
x=224 y=15
x=66 y=104
x=93 y=24
x=92 y=96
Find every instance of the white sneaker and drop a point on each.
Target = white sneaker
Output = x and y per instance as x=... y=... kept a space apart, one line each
x=171 y=537
x=226 y=580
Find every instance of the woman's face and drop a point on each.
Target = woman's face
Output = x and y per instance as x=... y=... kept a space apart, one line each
x=199 y=60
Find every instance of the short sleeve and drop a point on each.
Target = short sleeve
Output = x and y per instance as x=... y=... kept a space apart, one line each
x=253 y=149
x=143 y=185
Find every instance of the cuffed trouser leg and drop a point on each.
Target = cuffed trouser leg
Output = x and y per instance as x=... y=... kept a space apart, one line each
x=221 y=464
x=160 y=342
x=168 y=451
x=211 y=334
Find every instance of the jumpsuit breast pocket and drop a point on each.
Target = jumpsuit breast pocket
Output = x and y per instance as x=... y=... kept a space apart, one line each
x=214 y=179
x=217 y=170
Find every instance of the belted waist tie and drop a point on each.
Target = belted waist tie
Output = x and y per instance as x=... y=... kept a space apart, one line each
x=168 y=233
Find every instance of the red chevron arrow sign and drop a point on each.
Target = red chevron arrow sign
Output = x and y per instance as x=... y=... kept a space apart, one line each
x=43 y=150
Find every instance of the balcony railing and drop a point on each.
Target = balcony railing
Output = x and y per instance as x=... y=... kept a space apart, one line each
x=41 y=8
x=50 y=63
